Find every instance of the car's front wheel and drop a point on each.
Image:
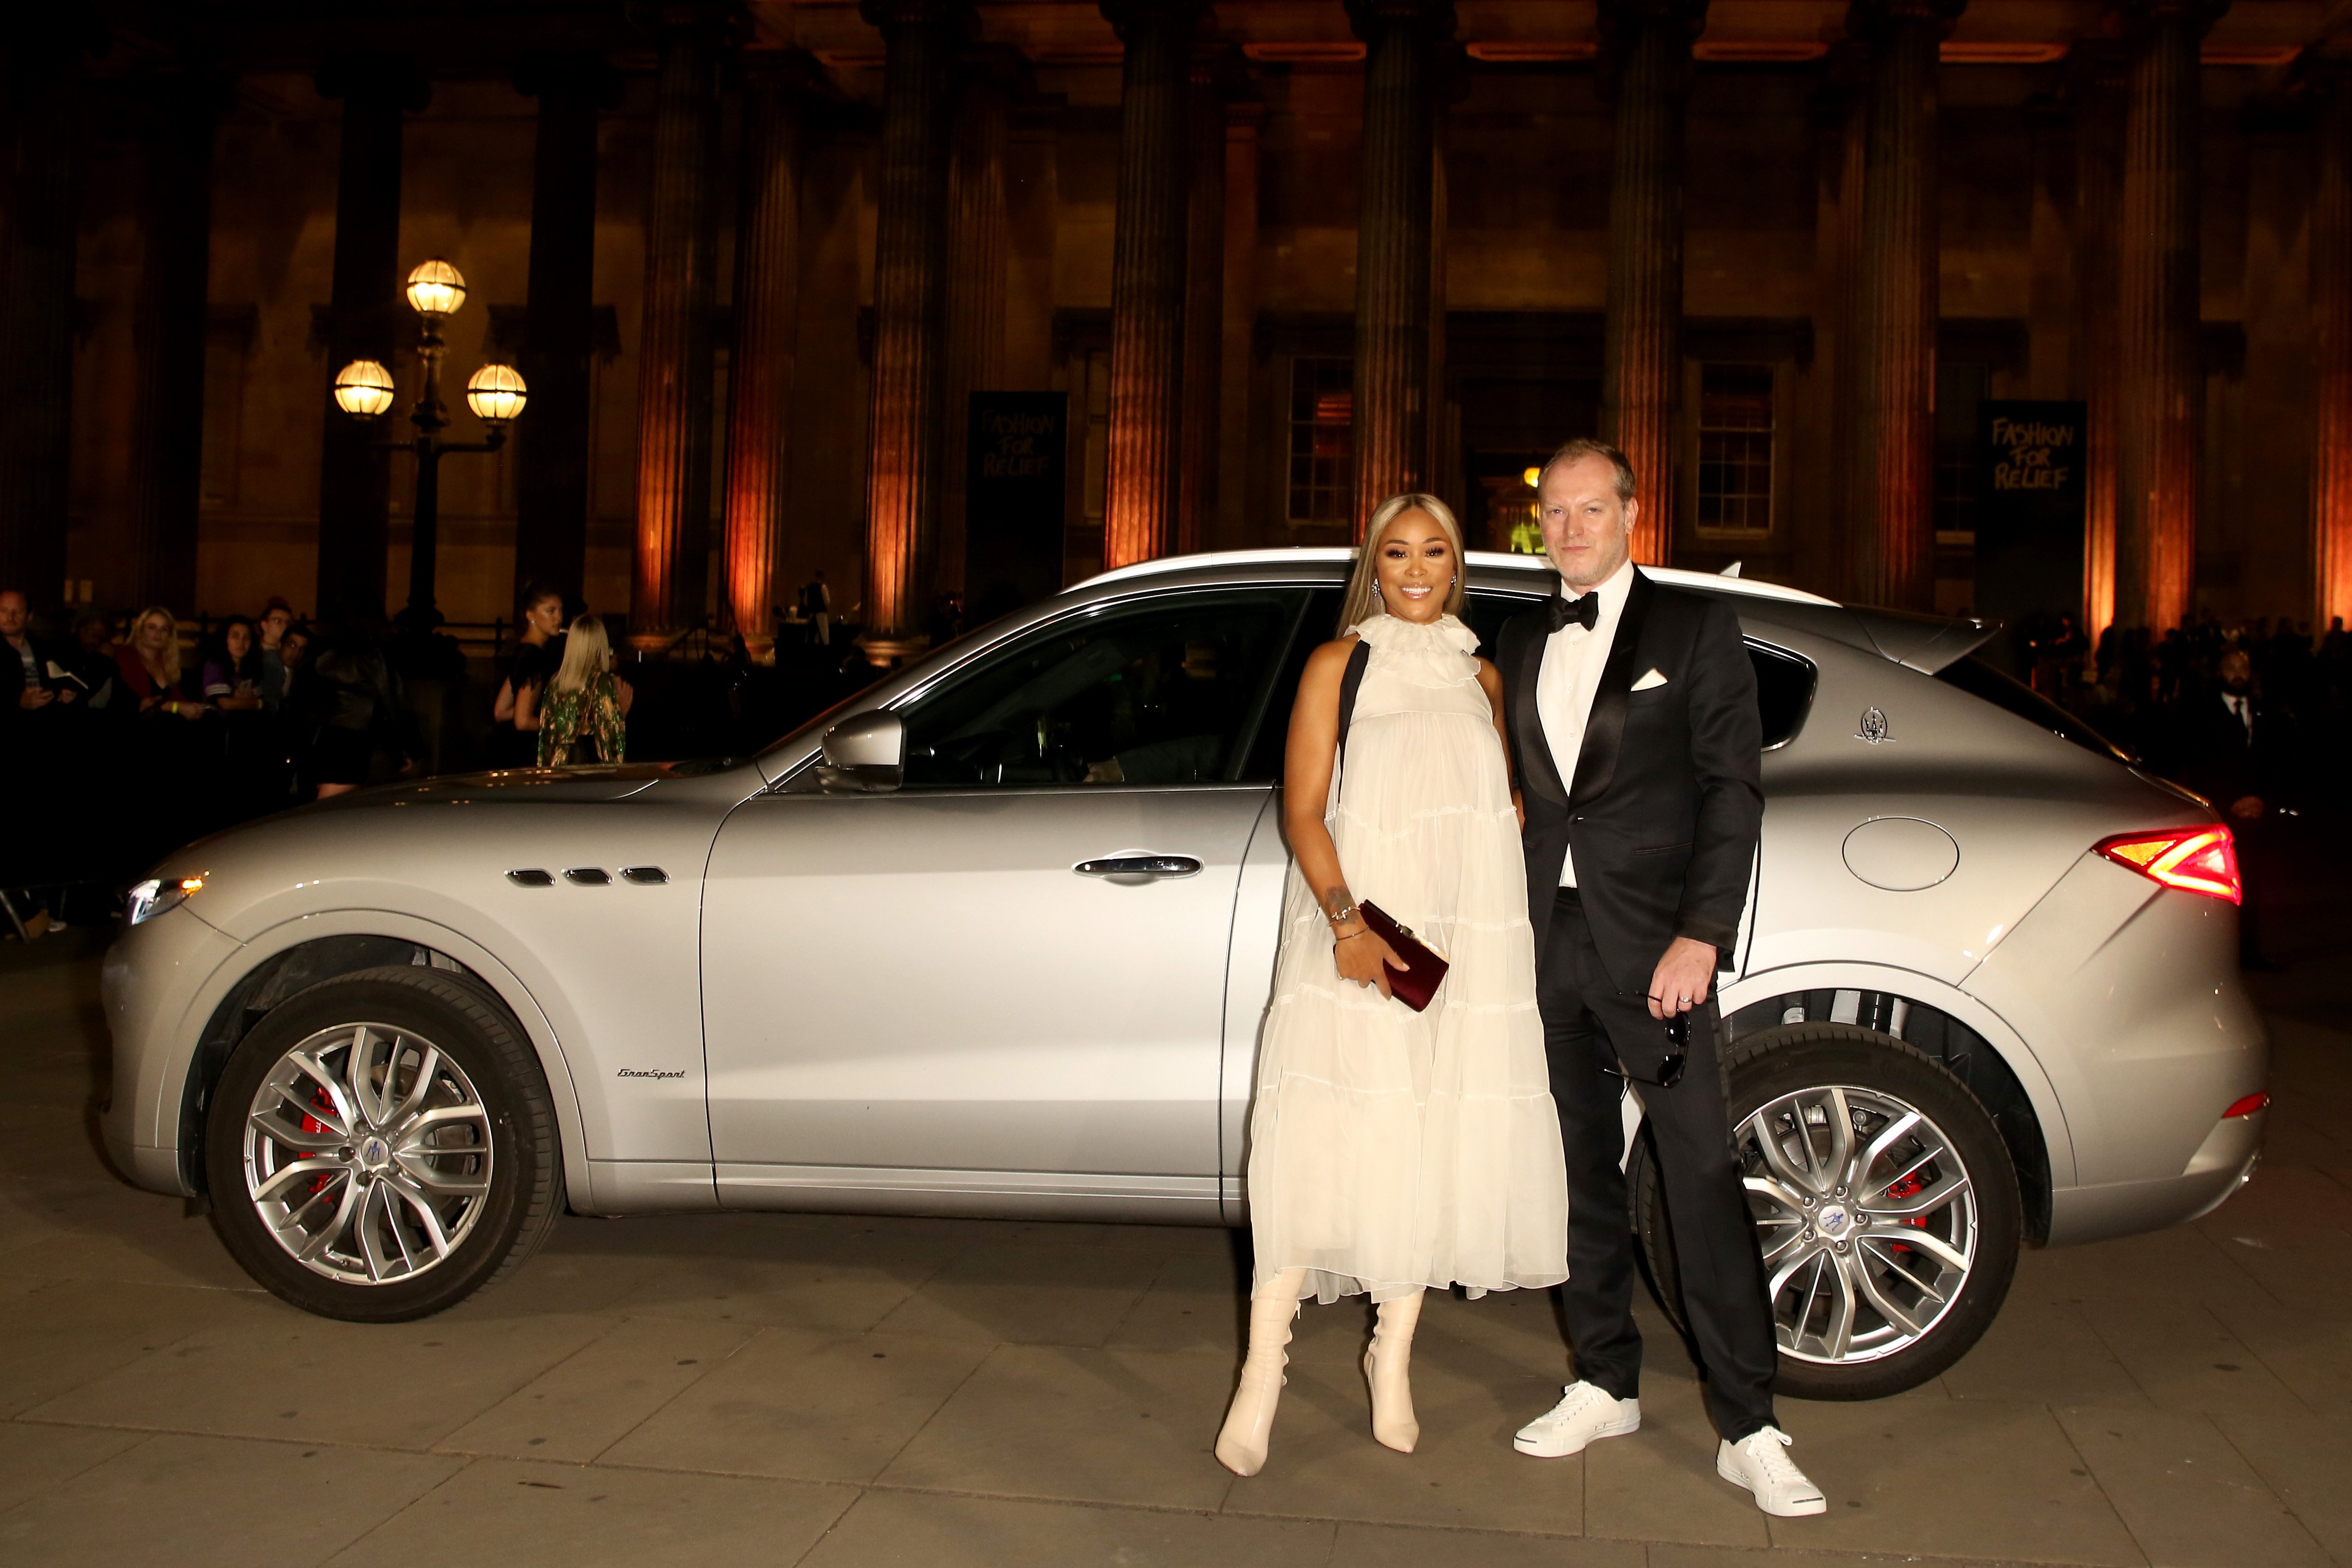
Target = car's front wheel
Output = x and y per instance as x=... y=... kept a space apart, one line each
x=1885 y=1203
x=382 y=1145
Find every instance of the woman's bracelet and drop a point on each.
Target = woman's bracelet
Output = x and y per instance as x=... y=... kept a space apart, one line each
x=1338 y=937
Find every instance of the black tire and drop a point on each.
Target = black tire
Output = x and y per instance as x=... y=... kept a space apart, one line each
x=1774 y=1063
x=474 y=1034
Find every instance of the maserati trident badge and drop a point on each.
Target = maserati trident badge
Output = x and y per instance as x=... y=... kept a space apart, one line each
x=1873 y=727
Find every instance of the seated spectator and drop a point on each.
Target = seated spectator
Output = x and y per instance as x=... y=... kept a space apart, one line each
x=232 y=682
x=584 y=706
x=46 y=680
x=149 y=665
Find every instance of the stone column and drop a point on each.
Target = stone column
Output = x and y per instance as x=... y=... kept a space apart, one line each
x=1893 y=542
x=1239 y=317
x=1646 y=51
x=980 y=240
x=40 y=79
x=2099 y=379
x=670 y=584
x=1393 y=244
x=1205 y=322
x=761 y=360
x=2162 y=382
x=911 y=289
x=167 y=333
x=2331 y=349
x=1147 y=279
x=366 y=319
x=1823 y=444
x=559 y=337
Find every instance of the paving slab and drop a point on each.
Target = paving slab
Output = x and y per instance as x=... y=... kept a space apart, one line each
x=1027 y=1294
x=1078 y=1425
x=524 y=1515
x=2041 y=1349
x=583 y=1404
x=35 y=1459
x=1659 y=1483
x=2188 y=1496
x=1929 y=1475
x=1323 y=1463
x=266 y=1370
x=198 y=1502
x=896 y=1530
x=2306 y=1460
x=1406 y=1546
x=805 y=1406
x=64 y=1333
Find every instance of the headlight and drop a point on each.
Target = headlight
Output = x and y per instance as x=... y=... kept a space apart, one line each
x=152 y=897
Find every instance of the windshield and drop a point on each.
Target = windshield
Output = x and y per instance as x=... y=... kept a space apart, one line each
x=1978 y=678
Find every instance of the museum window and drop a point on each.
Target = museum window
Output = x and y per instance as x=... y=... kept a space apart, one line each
x=1322 y=443
x=1735 y=449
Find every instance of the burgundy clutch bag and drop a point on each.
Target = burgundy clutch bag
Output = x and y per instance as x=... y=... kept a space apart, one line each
x=1423 y=972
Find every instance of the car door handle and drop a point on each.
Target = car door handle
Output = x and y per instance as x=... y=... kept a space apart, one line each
x=1138 y=866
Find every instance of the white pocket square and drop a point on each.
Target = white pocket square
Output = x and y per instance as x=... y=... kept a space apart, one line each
x=1649 y=682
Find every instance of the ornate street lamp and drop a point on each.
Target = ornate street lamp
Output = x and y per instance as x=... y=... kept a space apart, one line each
x=365 y=390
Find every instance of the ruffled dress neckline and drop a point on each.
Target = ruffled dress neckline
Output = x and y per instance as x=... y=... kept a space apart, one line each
x=1394 y=633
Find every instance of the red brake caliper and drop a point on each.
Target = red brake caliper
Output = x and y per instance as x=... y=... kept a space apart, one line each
x=313 y=1124
x=1910 y=1186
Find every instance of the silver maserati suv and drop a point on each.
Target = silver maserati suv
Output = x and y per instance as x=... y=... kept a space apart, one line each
x=995 y=937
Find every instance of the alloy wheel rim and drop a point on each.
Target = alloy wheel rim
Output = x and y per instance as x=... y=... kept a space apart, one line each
x=1866 y=1217
x=367 y=1154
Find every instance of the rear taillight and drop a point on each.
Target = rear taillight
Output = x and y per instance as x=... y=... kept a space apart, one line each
x=2258 y=1100
x=2200 y=860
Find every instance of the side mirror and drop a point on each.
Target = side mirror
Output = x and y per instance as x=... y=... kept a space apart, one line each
x=865 y=755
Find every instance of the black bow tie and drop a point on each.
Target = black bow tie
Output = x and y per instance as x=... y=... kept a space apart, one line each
x=1582 y=612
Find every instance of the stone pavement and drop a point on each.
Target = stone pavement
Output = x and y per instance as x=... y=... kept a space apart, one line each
x=839 y=1392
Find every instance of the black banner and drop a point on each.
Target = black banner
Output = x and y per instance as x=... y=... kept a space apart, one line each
x=1014 y=499
x=2029 y=510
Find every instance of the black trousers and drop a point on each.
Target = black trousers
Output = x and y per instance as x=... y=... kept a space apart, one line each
x=1715 y=1240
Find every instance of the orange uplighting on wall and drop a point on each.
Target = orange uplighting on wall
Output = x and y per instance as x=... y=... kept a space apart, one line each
x=2249 y=54
x=1987 y=52
x=1531 y=51
x=1757 y=51
x=1336 y=52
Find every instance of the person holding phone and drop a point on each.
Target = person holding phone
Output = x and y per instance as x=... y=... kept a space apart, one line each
x=1396 y=1148
x=1639 y=756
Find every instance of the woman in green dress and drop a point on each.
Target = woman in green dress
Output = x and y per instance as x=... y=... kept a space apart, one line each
x=582 y=714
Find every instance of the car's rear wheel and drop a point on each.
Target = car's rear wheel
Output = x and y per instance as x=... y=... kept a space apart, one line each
x=1887 y=1207
x=381 y=1146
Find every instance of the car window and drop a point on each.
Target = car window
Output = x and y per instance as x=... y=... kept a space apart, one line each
x=1165 y=690
x=1978 y=678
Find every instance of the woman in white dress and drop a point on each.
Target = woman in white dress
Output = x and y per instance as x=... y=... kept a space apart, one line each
x=1394 y=1152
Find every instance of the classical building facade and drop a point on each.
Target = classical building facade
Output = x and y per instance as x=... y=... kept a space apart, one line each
x=905 y=290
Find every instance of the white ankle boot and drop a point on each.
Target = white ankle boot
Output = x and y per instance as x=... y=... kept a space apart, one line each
x=1249 y=1423
x=1388 y=1369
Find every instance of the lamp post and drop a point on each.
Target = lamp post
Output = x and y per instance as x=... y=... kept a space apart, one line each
x=496 y=393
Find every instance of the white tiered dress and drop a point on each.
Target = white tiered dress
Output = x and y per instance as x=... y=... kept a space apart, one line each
x=1391 y=1150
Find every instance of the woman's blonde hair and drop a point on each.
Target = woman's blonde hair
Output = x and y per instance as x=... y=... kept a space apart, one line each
x=1363 y=587
x=586 y=651
x=171 y=637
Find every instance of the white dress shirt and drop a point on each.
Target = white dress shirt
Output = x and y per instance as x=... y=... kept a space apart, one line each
x=1573 y=661
x=2239 y=709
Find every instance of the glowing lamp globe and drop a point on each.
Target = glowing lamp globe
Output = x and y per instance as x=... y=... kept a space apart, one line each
x=496 y=393
x=364 y=388
x=436 y=288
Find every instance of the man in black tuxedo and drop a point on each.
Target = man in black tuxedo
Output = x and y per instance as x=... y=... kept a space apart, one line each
x=2232 y=761
x=1636 y=745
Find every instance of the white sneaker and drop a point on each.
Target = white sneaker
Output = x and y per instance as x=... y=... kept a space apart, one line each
x=1760 y=1462
x=1583 y=1413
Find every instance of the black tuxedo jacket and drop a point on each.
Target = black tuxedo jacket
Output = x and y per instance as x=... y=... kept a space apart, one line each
x=1668 y=796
